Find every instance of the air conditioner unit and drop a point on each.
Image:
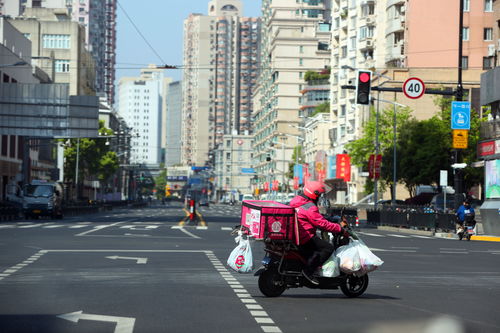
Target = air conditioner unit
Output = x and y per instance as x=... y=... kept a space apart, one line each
x=369 y=20
x=368 y=43
x=491 y=50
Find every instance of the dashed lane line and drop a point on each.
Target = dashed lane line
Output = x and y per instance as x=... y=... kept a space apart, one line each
x=256 y=311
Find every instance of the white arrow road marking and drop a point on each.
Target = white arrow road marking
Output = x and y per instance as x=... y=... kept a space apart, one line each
x=123 y=324
x=139 y=260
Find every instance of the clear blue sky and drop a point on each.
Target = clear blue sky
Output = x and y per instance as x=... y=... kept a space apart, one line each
x=161 y=23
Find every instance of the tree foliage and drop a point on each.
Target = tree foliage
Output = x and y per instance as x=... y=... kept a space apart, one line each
x=95 y=159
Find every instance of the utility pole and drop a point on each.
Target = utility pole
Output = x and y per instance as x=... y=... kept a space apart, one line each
x=459 y=95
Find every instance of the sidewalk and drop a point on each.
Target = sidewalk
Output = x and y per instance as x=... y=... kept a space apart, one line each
x=451 y=235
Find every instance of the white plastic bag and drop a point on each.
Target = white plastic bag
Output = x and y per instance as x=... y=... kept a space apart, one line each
x=241 y=259
x=331 y=267
x=369 y=261
x=348 y=258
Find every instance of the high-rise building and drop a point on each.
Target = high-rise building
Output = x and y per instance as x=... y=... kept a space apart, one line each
x=295 y=39
x=221 y=60
x=99 y=19
x=402 y=39
x=173 y=124
x=141 y=104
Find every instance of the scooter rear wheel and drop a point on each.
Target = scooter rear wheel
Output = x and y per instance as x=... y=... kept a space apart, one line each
x=271 y=283
x=354 y=286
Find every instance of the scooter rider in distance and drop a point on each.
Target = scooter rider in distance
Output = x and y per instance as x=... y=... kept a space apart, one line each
x=465 y=215
x=309 y=220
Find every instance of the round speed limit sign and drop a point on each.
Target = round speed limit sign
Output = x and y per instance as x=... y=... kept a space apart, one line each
x=414 y=88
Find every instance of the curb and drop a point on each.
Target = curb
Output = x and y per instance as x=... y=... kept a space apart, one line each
x=406 y=231
x=447 y=235
x=486 y=238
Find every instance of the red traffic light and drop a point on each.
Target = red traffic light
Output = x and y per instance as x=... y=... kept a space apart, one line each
x=364 y=77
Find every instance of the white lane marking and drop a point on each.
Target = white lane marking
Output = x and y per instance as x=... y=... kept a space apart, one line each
x=251 y=304
x=454 y=252
x=188 y=233
x=424 y=237
x=7 y=226
x=97 y=228
x=400 y=236
x=123 y=324
x=30 y=226
x=138 y=260
x=78 y=226
x=17 y=267
x=226 y=228
x=405 y=247
x=53 y=226
x=201 y=227
x=452 y=248
x=395 y=250
x=370 y=234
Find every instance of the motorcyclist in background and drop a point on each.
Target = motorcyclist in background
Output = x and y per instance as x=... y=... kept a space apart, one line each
x=309 y=220
x=465 y=213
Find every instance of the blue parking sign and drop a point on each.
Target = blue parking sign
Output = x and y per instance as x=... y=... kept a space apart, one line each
x=460 y=115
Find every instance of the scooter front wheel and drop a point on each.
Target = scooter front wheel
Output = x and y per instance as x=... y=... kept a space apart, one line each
x=354 y=286
x=271 y=283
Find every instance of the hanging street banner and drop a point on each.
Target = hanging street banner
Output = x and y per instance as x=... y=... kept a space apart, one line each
x=374 y=166
x=460 y=115
x=344 y=167
x=460 y=139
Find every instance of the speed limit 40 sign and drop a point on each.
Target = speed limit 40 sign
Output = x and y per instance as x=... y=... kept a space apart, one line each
x=414 y=88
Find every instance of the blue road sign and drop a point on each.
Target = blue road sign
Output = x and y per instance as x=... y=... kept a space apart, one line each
x=247 y=170
x=460 y=115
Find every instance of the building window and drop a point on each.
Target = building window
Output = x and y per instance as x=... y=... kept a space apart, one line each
x=62 y=66
x=488 y=5
x=343 y=51
x=466 y=5
x=488 y=62
x=465 y=62
x=465 y=33
x=488 y=34
x=50 y=41
x=301 y=49
x=301 y=62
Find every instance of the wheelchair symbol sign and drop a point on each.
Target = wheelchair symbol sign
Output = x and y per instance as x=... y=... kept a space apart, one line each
x=460 y=115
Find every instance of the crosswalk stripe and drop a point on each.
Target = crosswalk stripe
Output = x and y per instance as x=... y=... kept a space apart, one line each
x=370 y=234
x=79 y=226
x=30 y=226
x=53 y=226
x=400 y=236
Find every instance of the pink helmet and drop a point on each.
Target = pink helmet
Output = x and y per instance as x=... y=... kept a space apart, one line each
x=314 y=189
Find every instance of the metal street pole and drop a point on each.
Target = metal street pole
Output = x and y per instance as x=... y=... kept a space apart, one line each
x=457 y=177
x=394 y=159
x=375 y=182
x=76 y=167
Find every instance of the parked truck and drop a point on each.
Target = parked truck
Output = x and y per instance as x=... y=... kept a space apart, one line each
x=38 y=198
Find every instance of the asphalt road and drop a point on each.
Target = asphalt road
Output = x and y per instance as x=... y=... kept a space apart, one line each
x=137 y=270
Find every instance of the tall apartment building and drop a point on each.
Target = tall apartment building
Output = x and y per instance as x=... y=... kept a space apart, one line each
x=398 y=39
x=142 y=103
x=173 y=124
x=295 y=39
x=54 y=36
x=99 y=19
x=220 y=70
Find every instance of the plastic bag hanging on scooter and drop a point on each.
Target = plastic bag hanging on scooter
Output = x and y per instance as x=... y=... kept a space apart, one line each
x=241 y=259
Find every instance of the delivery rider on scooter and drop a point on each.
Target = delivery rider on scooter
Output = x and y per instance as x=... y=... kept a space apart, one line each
x=309 y=220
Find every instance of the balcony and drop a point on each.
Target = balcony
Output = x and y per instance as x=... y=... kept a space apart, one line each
x=366 y=43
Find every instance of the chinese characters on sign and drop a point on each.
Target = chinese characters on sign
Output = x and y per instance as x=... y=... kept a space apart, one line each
x=374 y=166
x=344 y=167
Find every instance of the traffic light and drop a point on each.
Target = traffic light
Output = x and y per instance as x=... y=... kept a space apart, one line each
x=363 y=86
x=268 y=157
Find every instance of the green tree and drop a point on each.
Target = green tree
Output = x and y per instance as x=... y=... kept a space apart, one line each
x=95 y=159
x=297 y=156
x=361 y=149
x=160 y=183
x=321 y=108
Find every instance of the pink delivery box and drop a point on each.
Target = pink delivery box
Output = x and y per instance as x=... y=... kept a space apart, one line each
x=268 y=219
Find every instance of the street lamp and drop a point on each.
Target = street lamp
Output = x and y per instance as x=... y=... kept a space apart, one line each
x=394 y=104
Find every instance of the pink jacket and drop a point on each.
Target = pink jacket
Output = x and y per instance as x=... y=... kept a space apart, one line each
x=310 y=219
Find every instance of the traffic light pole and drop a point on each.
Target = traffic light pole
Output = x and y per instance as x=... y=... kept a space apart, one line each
x=459 y=94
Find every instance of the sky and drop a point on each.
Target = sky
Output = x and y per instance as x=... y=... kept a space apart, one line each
x=161 y=24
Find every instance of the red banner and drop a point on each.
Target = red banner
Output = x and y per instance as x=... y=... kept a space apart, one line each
x=266 y=186
x=344 y=167
x=374 y=166
x=295 y=183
